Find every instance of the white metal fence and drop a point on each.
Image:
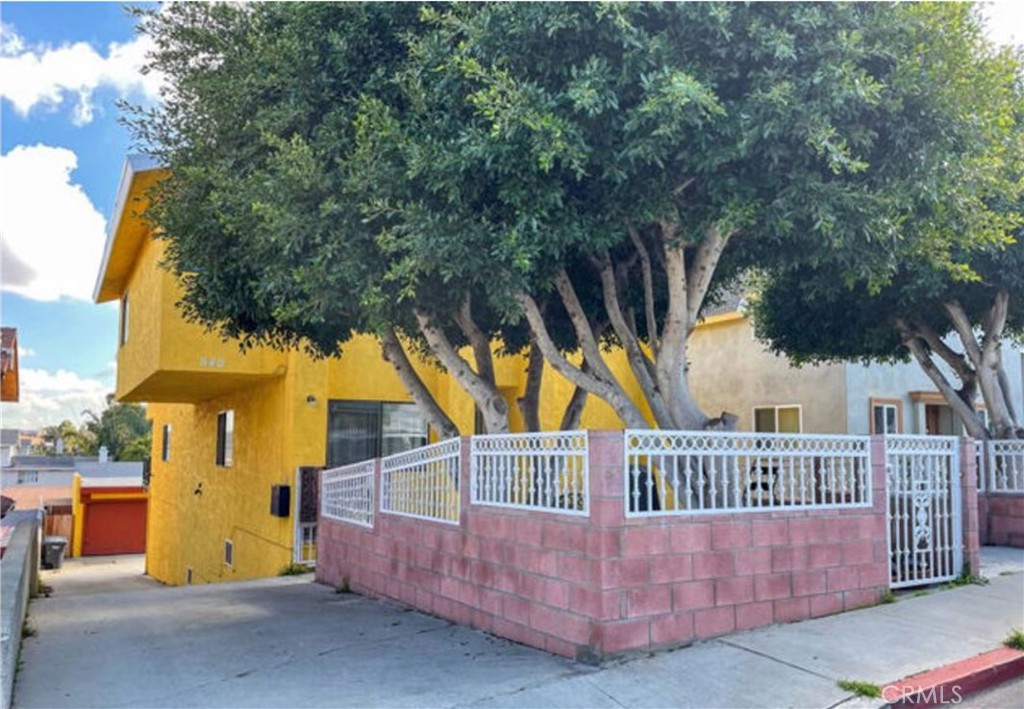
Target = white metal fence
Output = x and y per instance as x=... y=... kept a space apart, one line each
x=423 y=483
x=925 y=524
x=1001 y=466
x=346 y=493
x=537 y=471
x=687 y=472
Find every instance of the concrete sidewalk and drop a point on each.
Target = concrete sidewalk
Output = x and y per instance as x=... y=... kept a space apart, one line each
x=288 y=642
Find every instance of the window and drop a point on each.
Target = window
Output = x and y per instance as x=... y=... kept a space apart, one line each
x=361 y=430
x=777 y=419
x=225 y=438
x=165 y=445
x=188 y=575
x=886 y=416
x=229 y=553
x=124 y=319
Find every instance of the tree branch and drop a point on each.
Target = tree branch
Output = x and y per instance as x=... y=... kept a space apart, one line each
x=529 y=402
x=574 y=409
x=393 y=352
x=582 y=326
x=492 y=405
x=480 y=343
x=648 y=279
x=953 y=397
x=589 y=381
x=702 y=270
x=638 y=361
x=957 y=361
x=964 y=329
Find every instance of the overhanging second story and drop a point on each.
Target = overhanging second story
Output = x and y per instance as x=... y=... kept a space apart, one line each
x=160 y=356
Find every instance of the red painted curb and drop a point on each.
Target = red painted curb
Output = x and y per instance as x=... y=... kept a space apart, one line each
x=949 y=684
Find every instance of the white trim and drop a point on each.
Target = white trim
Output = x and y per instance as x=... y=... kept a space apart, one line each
x=133 y=165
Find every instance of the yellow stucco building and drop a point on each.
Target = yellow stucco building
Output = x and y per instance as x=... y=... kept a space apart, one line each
x=229 y=427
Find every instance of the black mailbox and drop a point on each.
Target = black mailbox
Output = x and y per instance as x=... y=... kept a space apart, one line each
x=280 y=500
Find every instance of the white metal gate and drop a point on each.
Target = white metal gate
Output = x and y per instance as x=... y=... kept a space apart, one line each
x=306 y=507
x=925 y=519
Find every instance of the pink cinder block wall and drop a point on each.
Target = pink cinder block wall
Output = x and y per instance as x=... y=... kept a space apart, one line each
x=588 y=588
x=1001 y=519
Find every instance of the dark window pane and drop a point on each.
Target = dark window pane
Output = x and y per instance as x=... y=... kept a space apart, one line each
x=764 y=420
x=353 y=430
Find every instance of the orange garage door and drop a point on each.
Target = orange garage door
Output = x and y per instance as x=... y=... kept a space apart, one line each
x=114 y=527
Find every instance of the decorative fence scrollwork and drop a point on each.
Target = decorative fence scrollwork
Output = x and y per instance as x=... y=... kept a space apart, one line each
x=693 y=472
x=923 y=501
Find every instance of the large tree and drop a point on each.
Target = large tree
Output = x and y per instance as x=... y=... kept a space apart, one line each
x=568 y=175
x=924 y=313
x=953 y=305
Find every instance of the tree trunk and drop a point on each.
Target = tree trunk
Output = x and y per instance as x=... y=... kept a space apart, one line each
x=489 y=400
x=688 y=415
x=592 y=382
x=393 y=352
x=529 y=402
x=963 y=410
x=985 y=357
x=574 y=409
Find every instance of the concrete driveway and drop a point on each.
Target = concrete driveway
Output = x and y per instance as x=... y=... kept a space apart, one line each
x=109 y=637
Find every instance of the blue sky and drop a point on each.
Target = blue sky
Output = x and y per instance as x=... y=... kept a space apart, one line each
x=62 y=68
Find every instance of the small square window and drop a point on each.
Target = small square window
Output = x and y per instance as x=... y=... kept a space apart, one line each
x=778 y=419
x=124 y=320
x=886 y=415
x=165 y=445
x=225 y=438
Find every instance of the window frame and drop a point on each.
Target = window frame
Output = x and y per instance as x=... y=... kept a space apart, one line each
x=875 y=402
x=225 y=448
x=775 y=408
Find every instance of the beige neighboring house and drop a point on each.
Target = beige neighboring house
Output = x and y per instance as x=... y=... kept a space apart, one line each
x=731 y=370
x=10 y=445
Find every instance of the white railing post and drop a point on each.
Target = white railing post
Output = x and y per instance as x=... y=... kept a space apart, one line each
x=536 y=471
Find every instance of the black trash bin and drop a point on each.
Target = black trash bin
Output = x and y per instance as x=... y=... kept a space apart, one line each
x=53 y=552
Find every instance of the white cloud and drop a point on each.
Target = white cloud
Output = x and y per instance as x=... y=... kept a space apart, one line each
x=53 y=236
x=24 y=352
x=41 y=75
x=47 y=398
x=1005 y=22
